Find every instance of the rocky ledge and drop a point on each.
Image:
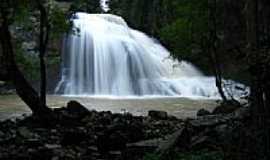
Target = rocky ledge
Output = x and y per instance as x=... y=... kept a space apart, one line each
x=77 y=133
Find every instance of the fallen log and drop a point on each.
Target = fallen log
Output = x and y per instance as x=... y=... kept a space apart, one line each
x=180 y=138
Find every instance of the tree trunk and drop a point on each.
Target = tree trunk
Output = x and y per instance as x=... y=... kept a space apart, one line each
x=213 y=41
x=23 y=88
x=43 y=42
x=259 y=70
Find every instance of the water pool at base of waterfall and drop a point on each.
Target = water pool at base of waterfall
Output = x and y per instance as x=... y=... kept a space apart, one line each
x=13 y=106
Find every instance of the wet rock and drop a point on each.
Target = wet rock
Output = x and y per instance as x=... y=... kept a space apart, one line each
x=111 y=141
x=92 y=149
x=25 y=133
x=203 y=112
x=55 y=158
x=158 y=114
x=115 y=154
x=90 y=117
x=6 y=89
x=73 y=137
x=208 y=121
x=34 y=142
x=242 y=113
x=52 y=146
x=2 y=134
x=2 y=83
x=146 y=145
x=105 y=118
x=199 y=142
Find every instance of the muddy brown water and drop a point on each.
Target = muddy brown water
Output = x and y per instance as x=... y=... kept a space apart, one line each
x=12 y=106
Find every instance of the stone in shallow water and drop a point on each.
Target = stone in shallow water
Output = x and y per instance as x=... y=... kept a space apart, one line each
x=158 y=114
x=203 y=112
x=76 y=108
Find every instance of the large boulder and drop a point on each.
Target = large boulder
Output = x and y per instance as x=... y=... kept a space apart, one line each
x=203 y=112
x=226 y=108
x=75 y=108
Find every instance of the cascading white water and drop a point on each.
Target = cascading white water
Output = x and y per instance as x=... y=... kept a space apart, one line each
x=106 y=57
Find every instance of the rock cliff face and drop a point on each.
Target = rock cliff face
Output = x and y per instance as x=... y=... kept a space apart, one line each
x=25 y=41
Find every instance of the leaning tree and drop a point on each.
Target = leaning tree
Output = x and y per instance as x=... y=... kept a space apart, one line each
x=8 y=10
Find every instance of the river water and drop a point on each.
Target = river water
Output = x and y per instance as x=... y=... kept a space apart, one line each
x=11 y=106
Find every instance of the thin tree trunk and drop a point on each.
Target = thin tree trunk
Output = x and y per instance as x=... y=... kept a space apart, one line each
x=43 y=42
x=213 y=40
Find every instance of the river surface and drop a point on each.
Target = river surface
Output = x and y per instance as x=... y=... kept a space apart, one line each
x=12 y=106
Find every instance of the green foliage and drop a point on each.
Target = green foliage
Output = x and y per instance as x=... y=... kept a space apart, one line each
x=186 y=35
x=27 y=19
x=181 y=25
x=90 y=6
x=52 y=61
x=59 y=21
x=28 y=64
x=177 y=36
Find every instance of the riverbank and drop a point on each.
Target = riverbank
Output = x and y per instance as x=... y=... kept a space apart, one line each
x=11 y=106
x=77 y=133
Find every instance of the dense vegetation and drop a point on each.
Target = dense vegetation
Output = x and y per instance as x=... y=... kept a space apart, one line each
x=183 y=26
x=180 y=25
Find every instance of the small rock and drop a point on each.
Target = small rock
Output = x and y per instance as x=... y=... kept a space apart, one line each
x=33 y=142
x=73 y=137
x=52 y=146
x=208 y=121
x=203 y=112
x=93 y=148
x=2 y=83
x=53 y=131
x=55 y=158
x=2 y=134
x=242 y=113
x=158 y=114
x=199 y=142
x=115 y=154
x=25 y=133
x=111 y=141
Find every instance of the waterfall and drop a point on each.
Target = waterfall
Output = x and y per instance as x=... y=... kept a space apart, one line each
x=104 y=56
